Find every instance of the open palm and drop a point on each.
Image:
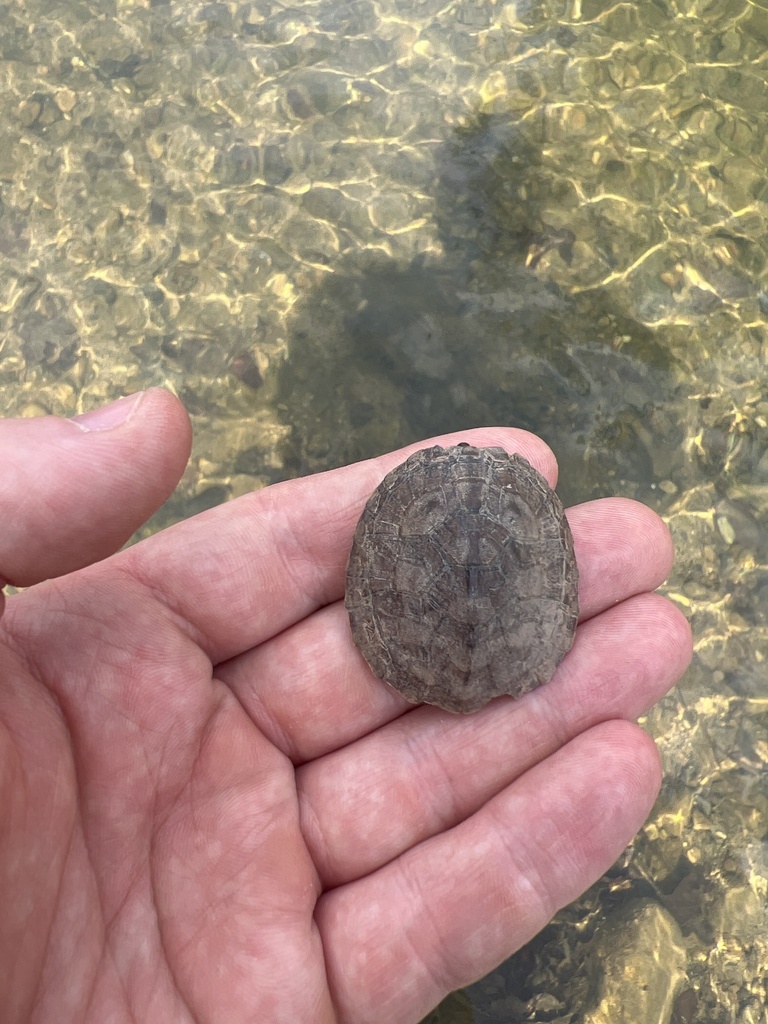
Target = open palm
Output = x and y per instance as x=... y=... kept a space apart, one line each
x=211 y=810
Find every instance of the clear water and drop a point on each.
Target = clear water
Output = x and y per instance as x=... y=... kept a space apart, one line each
x=336 y=227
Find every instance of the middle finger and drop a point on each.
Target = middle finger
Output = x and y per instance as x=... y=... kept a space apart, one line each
x=429 y=770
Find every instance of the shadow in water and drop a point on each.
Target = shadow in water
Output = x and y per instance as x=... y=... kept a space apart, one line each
x=382 y=354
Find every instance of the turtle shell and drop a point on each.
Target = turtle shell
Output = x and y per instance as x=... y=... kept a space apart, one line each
x=462 y=582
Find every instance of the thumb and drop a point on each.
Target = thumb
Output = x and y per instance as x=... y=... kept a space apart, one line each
x=73 y=491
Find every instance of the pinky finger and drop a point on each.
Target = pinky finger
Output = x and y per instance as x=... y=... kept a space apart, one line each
x=452 y=908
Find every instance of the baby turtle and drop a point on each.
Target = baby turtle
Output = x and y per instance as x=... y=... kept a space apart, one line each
x=462 y=582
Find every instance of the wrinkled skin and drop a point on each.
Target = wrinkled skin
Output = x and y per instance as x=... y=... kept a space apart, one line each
x=212 y=812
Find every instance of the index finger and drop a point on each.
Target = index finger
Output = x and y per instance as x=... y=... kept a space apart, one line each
x=245 y=571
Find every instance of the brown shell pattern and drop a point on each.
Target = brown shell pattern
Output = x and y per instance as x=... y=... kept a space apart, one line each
x=462 y=582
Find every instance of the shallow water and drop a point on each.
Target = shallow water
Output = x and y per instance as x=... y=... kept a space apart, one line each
x=334 y=228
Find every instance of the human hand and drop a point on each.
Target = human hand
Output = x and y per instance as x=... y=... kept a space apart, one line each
x=213 y=812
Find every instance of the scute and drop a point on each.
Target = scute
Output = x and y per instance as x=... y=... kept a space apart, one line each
x=462 y=583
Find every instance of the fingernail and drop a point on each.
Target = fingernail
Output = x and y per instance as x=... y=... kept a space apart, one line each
x=108 y=416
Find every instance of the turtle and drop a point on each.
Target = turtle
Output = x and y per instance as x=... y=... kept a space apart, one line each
x=462 y=583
